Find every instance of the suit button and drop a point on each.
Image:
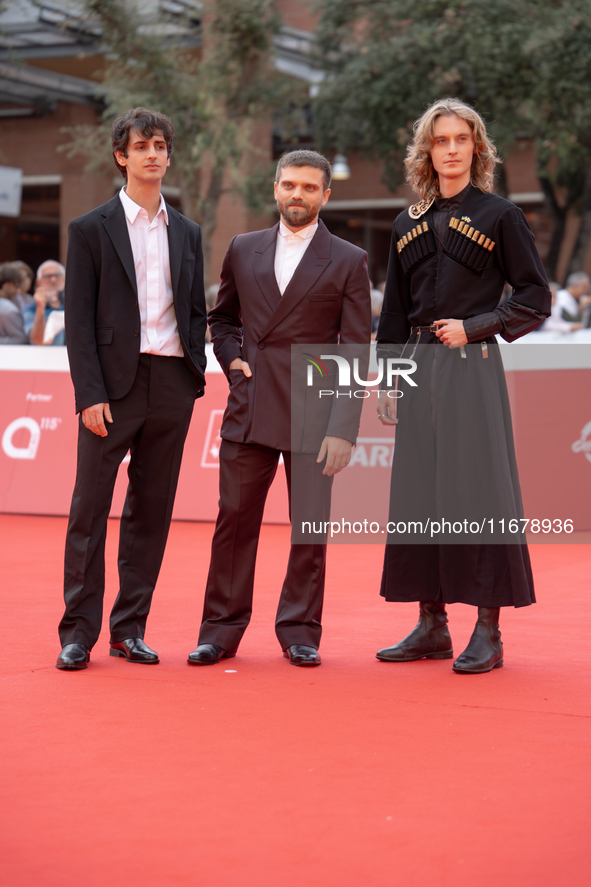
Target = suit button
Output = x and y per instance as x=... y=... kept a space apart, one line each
x=136 y=334
x=262 y=346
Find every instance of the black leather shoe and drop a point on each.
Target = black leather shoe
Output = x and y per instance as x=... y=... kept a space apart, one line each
x=73 y=657
x=209 y=654
x=485 y=649
x=430 y=639
x=300 y=654
x=134 y=650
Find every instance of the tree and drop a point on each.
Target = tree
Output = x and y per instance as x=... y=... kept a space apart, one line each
x=559 y=109
x=524 y=64
x=216 y=94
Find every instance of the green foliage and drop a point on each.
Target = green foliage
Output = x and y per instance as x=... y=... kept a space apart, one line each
x=524 y=64
x=215 y=94
x=388 y=59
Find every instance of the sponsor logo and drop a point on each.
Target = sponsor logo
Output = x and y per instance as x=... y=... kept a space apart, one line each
x=39 y=398
x=373 y=452
x=20 y=452
x=583 y=444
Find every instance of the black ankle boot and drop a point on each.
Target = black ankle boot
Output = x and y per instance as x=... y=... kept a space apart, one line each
x=430 y=639
x=485 y=650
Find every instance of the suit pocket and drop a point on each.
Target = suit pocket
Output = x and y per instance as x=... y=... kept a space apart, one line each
x=104 y=337
x=236 y=415
x=323 y=297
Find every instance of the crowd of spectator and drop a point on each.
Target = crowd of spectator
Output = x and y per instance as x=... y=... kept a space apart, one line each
x=35 y=318
x=571 y=305
x=32 y=306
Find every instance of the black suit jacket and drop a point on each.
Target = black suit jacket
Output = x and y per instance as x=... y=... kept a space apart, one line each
x=102 y=316
x=327 y=301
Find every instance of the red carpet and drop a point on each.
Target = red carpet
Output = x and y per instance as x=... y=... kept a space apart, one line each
x=355 y=773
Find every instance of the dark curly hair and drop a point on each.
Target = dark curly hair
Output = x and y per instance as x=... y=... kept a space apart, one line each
x=146 y=123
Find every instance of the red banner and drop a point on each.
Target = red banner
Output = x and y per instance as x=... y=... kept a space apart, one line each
x=38 y=428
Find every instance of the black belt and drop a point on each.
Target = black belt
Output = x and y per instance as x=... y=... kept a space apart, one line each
x=417 y=330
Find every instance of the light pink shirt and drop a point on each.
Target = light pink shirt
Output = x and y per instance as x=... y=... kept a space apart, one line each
x=289 y=252
x=149 y=245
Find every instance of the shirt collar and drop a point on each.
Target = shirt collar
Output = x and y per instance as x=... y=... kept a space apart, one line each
x=302 y=234
x=132 y=209
x=450 y=204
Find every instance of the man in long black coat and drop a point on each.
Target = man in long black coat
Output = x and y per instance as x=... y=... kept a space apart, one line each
x=454 y=468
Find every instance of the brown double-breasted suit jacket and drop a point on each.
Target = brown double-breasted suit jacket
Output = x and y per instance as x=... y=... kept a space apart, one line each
x=326 y=302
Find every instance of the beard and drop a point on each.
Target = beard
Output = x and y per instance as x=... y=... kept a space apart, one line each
x=298 y=215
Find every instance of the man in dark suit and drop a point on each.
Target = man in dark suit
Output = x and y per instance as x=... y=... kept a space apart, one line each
x=135 y=330
x=294 y=283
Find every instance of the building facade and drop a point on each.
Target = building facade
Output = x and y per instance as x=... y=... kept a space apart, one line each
x=50 y=69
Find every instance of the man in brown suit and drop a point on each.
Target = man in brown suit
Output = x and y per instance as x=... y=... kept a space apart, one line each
x=294 y=283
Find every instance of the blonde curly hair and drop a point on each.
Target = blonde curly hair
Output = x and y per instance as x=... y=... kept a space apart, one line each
x=421 y=175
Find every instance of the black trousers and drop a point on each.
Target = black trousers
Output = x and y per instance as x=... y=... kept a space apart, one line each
x=246 y=473
x=151 y=422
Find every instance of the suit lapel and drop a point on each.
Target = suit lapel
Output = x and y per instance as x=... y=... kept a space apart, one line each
x=314 y=261
x=264 y=267
x=116 y=227
x=176 y=238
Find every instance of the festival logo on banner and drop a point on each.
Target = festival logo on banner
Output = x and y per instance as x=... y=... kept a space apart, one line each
x=373 y=452
x=16 y=445
x=583 y=444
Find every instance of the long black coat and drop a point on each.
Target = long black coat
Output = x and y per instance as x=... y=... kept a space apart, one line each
x=454 y=456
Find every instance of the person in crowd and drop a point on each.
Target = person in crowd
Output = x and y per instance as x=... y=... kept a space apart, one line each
x=12 y=329
x=292 y=283
x=574 y=299
x=24 y=296
x=49 y=298
x=135 y=322
x=556 y=322
x=454 y=458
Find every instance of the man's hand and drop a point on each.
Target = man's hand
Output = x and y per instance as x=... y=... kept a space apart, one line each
x=239 y=364
x=38 y=329
x=451 y=332
x=386 y=409
x=41 y=297
x=337 y=452
x=94 y=418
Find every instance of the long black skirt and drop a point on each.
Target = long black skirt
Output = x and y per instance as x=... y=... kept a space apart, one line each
x=455 y=476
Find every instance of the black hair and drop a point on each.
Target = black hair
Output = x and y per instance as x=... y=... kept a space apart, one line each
x=146 y=123
x=306 y=158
